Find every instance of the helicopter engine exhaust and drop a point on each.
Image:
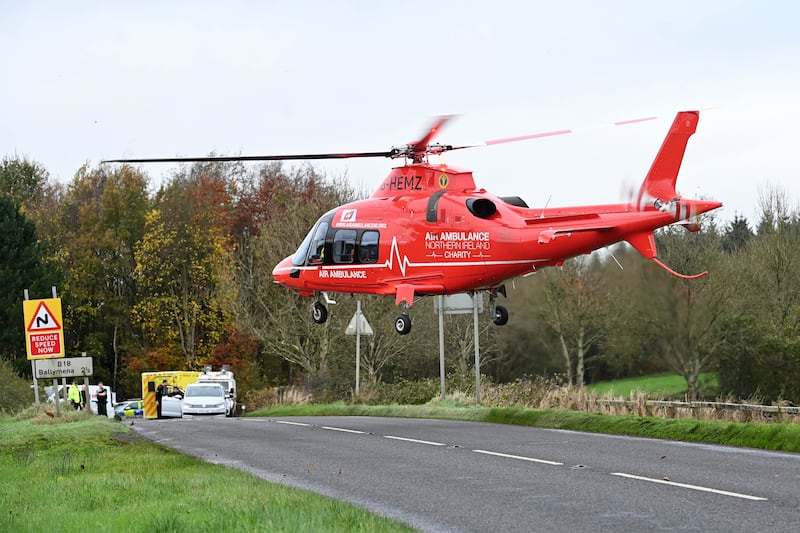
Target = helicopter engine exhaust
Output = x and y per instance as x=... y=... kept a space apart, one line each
x=481 y=207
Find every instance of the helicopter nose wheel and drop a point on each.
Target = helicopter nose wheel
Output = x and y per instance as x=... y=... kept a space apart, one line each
x=500 y=316
x=319 y=313
x=402 y=324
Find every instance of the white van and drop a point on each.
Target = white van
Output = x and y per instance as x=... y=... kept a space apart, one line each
x=225 y=378
x=111 y=399
x=204 y=399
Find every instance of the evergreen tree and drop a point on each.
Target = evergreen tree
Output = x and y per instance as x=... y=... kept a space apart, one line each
x=21 y=267
x=737 y=234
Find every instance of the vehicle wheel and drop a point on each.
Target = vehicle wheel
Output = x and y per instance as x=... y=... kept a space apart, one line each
x=402 y=324
x=319 y=313
x=500 y=316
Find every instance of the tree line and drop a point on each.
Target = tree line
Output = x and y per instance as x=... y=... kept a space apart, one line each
x=179 y=276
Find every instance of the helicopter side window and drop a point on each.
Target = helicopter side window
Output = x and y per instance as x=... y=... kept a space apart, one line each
x=344 y=246
x=368 y=249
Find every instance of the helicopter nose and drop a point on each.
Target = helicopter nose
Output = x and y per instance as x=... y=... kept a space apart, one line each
x=284 y=271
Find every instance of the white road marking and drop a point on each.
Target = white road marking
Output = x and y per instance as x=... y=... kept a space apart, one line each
x=692 y=487
x=343 y=430
x=291 y=423
x=509 y=456
x=415 y=440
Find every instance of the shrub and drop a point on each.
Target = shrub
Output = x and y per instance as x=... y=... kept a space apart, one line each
x=271 y=396
x=16 y=392
x=406 y=392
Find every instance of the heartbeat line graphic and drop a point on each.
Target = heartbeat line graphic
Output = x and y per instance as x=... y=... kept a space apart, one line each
x=402 y=262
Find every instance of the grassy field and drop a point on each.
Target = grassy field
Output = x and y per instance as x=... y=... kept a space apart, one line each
x=657 y=386
x=94 y=474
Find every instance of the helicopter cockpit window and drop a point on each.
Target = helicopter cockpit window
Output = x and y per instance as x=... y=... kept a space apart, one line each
x=299 y=257
x=316 y=252
x=312 y=249
x=368 y=250
x=344 y=246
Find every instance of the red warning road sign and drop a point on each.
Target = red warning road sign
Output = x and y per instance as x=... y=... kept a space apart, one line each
x=43 y=319
x=44 y=336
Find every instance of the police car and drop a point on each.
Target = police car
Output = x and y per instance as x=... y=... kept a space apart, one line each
x=129 y=409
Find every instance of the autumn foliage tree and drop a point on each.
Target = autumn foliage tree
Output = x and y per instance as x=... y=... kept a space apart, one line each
x=179 y=261
x=101 y=219
x=282 y=209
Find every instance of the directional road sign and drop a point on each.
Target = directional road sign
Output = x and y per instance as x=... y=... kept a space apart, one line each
x=67 y=367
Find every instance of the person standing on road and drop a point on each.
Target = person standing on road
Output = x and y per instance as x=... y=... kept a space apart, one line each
x=161 y=391
x=102 y=399
x=74 y=396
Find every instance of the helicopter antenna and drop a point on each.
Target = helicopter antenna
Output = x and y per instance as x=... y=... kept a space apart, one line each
x=614 y=258
x=545 y=205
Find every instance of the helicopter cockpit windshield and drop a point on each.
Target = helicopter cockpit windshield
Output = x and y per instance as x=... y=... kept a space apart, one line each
x=312 y=250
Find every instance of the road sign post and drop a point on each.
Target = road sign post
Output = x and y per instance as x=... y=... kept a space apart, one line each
x=358 y=326
x=458 y=304
x=476 y=299
x=44 y=334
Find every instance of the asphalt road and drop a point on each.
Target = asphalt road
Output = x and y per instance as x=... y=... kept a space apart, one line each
x=440 y=475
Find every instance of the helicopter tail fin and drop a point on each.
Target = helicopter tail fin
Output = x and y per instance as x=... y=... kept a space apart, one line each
x=660 y=181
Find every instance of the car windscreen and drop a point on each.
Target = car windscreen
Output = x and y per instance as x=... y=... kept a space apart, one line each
x=225 y=384
x=210 y=390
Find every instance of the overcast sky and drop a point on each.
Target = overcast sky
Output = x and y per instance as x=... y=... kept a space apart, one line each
x=85 y=81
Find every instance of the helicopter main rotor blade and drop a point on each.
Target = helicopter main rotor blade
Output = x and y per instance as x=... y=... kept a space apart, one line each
x=552 y=133
x=285 y=157
x=421 y=145
x=416 y=151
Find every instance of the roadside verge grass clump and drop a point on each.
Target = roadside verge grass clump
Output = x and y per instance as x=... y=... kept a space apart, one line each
x=773 y=436
x=89 y=473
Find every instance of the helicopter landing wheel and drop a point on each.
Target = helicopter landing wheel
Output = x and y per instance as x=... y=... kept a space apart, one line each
x=500 y=316
x=402 y=324
x=319 y=313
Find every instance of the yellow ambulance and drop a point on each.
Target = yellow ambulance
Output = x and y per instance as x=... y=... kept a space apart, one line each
x=177 y=380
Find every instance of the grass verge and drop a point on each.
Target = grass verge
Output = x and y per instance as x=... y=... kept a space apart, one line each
x=774 y=436
x=656 y=386
x=85 y=473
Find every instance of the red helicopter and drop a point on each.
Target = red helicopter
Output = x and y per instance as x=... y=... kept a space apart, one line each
x=428 y=230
